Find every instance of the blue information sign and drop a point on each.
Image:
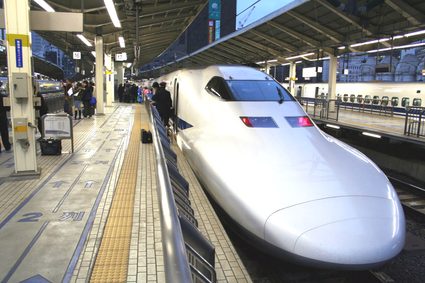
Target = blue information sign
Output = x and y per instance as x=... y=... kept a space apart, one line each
x=18 y=51
x=214 y=11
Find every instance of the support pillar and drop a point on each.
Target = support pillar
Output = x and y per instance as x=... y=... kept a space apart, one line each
x=333 y=63
x=20 y=86
x=99 y=93
x=110 y=83
x=292 y=77
x=120 y=72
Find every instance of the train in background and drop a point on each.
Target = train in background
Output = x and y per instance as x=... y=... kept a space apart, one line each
x=294 y=190
x=397 y=95
x=50 y=90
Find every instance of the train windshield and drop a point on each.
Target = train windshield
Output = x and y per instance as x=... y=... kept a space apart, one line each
x=264 y=90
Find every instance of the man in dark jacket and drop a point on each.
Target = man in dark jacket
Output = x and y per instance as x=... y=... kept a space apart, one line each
x=163 y=102
x=85 y=98
x=4 y=126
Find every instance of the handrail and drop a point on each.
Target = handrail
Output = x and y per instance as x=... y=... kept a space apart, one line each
x=176 y=264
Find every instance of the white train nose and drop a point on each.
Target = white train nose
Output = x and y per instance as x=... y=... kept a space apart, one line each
x=341 y=230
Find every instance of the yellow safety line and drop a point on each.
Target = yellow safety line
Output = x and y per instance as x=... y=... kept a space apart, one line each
x=112 y=258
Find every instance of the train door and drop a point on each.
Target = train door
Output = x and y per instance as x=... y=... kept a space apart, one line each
x=175 y=106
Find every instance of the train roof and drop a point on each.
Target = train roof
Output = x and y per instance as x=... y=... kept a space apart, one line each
x=235 y=72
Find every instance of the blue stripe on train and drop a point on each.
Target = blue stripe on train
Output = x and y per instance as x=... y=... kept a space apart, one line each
x=182 y=124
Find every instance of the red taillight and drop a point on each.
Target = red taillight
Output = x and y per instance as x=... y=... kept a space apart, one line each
x=299 y=122
x=304 y=122
x=259 y=122
x=246 y=121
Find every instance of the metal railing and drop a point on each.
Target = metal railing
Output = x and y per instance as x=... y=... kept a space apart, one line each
x=372 y=106
x=188 y=256
x=415 y=121
x=321 y=108
x=177 y=268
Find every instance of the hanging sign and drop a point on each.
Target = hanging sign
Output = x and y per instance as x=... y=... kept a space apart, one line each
x=76 y=55
x=214 y=10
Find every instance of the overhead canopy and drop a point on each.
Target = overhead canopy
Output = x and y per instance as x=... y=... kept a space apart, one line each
x=151 y=24
x=315 y=26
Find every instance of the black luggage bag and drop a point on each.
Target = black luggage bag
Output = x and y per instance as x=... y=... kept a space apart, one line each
x=146 y=136
x=51 y=147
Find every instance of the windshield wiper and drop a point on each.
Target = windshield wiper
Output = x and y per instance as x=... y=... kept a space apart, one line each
x=279 y=91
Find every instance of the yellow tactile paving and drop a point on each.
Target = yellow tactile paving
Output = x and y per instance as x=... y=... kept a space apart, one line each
x=112 y=259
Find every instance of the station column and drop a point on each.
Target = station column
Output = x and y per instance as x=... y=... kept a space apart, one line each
x=292 y=77
x=100 y=107
x=110 y=85
x=333 y=63
x=120 y=72
x=20 y=86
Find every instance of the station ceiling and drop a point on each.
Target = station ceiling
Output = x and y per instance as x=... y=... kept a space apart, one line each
x=151 y=24
x=319 y=26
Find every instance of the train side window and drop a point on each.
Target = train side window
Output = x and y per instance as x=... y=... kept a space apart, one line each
x=345 y=97
x=405 y=101
x=367 y=99
x=375 y=99
x=385 y=100
x=352 y=98
x=394 y=101
x=417 y=102
x=359 y=98
x=218 y=87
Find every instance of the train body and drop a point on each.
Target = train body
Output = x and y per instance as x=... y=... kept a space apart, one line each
x=398 y=95
x=297 y=191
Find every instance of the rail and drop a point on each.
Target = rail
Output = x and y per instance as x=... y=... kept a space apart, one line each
x=187 y=253
x=176 y=264
x=415 y=121
x=321 y=108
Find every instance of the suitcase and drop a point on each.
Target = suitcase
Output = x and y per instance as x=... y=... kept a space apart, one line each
x=51 y=147
x=146 y=136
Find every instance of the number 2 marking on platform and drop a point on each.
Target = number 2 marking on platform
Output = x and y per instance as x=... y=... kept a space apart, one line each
x=31 y=217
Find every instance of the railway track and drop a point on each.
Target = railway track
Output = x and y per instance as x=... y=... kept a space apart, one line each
x=412 y=197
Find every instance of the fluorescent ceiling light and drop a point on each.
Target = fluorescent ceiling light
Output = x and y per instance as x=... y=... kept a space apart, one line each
x=286 y=64
x=44 y=5
x=110 y=6
x=260 y=62
x=299 y=56
x=298 y=62
x=122 y=42
x=415 y=33
x=94 y=54
x=83 y=39
x=371 y=135
x=370 y=42
x=333 y=126
x=341 y=47
x=398 y=47
x=272 y=61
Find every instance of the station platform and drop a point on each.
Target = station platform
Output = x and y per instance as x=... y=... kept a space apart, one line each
x=384 y=125
x=93 y=216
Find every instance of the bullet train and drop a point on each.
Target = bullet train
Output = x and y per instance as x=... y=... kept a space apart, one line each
x=399 y=95
x=297 y=191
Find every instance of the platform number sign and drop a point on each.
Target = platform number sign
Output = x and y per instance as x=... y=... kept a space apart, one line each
x=76 y=55
x=18 y=51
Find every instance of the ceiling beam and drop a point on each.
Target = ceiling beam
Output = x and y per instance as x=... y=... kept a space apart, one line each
x=353 y=20
x=273 y=40
x=291 y=32
x=253 y=43
x=414 y=16
x=331 y=34
x=247 y=48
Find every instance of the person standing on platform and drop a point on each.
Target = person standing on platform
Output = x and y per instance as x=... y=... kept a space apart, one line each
x=85 y=98
x=68 y=96
x=163 y=102
x=4 y=126
x=78 y=92
x=120 y=92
